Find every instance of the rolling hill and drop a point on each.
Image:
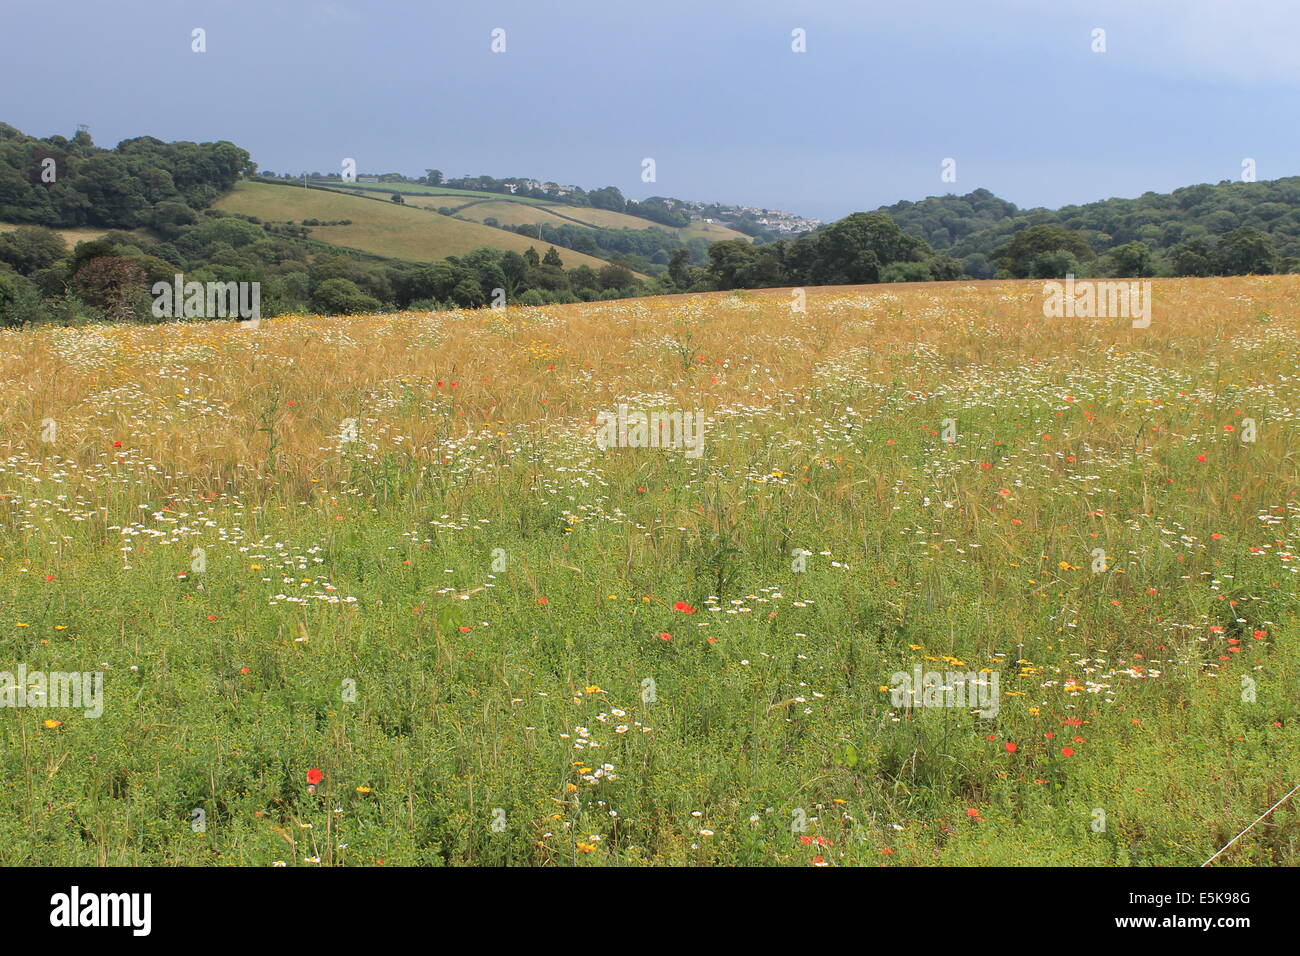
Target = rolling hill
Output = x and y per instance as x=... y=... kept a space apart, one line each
x=520 y=210
x=379 y=227
x=972 y=227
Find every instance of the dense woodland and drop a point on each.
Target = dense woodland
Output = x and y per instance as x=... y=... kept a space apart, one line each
x=1227 y=229
x=155 y=199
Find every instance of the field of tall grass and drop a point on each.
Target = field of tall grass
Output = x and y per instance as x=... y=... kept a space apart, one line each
x=367 y=590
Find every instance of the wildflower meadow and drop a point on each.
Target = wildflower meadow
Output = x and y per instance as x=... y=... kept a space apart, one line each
x=926 y=574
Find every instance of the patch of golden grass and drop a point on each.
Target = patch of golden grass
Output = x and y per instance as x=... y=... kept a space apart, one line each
x=381 y=228
x=304 y=375
x=70 y=236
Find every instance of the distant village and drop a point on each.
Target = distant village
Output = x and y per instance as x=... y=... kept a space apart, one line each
x=775 y=220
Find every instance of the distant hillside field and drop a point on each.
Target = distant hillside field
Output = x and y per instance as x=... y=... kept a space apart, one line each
x=521 y=210
x=70 y=236
x=409 y=189
x=510 y=212
x=608 y=219
x=381 y=228
x=712 y=231
x=503 y=211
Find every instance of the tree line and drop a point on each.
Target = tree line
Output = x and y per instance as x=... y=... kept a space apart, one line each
x=154 y=199
x=1229 y=228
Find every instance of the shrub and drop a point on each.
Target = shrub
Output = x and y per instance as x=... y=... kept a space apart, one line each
x=111 y=283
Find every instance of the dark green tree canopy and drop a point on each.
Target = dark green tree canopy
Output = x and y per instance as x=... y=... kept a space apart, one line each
x=67 y=183
x=1020 y=256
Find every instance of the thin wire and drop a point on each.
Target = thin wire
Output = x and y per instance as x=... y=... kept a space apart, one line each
x=1261 y=817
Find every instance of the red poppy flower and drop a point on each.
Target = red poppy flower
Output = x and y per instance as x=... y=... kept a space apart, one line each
x=1067 y=751
x=314 y=776
x=665 y=636
x=683 y=607
x=1011 y=748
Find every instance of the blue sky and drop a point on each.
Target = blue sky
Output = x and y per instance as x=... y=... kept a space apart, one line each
x=710 y=89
